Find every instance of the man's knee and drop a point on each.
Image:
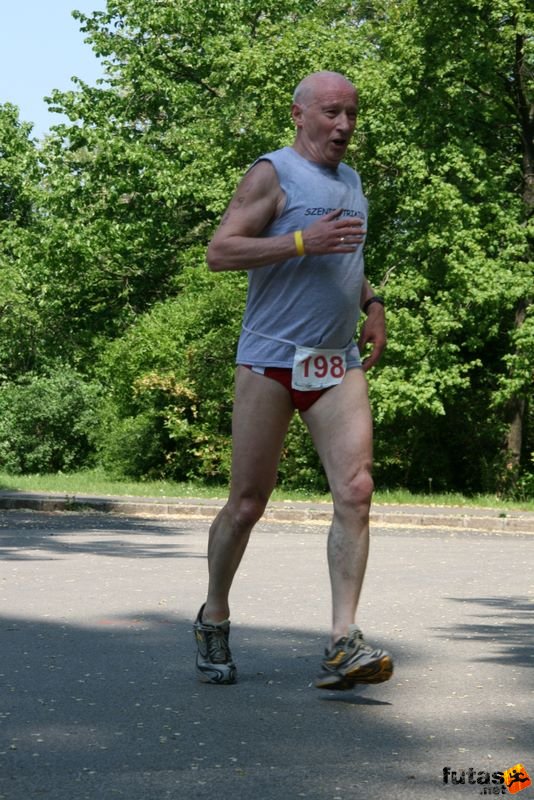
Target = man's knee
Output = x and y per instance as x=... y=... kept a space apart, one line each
x=355 y=495
x=246 y=511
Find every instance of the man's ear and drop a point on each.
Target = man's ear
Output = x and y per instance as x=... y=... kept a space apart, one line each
x=297 y=112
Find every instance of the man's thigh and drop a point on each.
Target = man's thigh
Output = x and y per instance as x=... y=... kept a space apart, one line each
x=341 y=428
x=261 y=416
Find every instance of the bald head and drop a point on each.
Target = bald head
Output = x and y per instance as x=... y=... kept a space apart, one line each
x=324 y=110
x=309 y=86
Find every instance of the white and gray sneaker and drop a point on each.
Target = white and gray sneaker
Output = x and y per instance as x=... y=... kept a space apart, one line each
x=351 y=660
x=214 y=662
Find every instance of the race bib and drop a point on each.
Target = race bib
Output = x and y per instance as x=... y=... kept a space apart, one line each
x=315 y=369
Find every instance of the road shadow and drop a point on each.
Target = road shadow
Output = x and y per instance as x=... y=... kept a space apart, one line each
x=34 y=536
x=116 y=710
x=100 y=701
x=504 y=625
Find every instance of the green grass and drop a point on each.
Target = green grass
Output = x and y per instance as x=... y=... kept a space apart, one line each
x=95 y=482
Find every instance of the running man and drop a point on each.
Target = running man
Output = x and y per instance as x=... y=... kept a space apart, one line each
x=297 y=224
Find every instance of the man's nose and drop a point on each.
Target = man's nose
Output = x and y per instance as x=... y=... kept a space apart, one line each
x=344 y=122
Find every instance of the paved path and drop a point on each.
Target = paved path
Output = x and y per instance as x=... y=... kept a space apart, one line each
x=98 y=696
x=461 y=517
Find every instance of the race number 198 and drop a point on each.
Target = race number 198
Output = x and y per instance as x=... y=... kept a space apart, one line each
x=317 y=369
x=321 y=366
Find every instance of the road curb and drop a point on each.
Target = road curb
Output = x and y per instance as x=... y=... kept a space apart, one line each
x=456 y=518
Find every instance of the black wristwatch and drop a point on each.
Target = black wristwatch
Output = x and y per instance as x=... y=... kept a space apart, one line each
x=374 y=299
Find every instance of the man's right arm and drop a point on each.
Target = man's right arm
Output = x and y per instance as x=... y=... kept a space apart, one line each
x=238 y=243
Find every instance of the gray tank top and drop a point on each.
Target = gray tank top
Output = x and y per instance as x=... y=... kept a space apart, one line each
x=311 y=300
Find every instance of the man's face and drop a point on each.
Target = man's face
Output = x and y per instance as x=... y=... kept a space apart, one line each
x=325 y=121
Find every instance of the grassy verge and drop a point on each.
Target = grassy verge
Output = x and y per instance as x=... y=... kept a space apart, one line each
x=96 y=482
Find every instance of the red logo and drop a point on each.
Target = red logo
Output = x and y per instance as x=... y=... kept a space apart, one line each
x=516 y=778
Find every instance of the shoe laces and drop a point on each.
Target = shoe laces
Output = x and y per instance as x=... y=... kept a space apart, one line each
x=356 y=638
x=352 y=641
x=218 y=648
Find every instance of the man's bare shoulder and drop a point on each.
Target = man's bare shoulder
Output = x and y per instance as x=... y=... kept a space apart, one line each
x=258 y=197
x=261 y=178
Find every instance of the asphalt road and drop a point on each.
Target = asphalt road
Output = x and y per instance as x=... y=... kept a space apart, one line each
x=98 y=694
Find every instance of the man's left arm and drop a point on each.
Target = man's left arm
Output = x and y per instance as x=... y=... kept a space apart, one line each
x=373 y=330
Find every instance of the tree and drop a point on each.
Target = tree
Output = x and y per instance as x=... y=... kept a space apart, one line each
x=443 y=155
x=19 y=181
x=142 y=170
x=440 y=151
x=193 y=92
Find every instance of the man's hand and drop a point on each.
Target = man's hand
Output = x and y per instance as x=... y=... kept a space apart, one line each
x=332 y=234
x=373 y=332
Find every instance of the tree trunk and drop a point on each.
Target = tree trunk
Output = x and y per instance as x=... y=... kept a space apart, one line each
x=525 y=110
x=517 y=417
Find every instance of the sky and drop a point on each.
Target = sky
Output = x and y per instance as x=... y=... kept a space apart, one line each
x=41 y=48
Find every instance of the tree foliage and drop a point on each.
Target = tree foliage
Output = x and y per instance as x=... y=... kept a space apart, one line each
x=447 y=164
x=20 y=323
x=103 y=247
x=46 y=422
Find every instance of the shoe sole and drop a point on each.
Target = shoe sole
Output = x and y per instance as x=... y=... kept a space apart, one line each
x=217 y=677
x=379 y=672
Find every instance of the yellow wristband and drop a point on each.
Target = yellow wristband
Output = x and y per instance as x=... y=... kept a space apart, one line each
x=299 y=243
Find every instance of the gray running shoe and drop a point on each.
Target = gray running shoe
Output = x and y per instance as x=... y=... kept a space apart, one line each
x=351 y=660
x=214 y=660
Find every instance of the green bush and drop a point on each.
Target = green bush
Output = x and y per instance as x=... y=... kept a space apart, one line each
x=170 y=383
x=46 y=422
x=132 y=447
x=300 y=466
x=169 y=395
